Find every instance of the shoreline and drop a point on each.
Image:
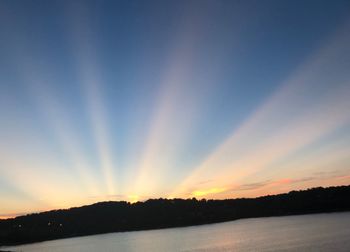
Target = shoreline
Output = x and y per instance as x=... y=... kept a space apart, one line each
x=152 y=229
x=153 y=214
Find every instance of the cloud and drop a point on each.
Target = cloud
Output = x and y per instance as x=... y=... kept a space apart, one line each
x=251 y=186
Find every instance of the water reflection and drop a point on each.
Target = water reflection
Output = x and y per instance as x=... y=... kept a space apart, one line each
x=318 y=232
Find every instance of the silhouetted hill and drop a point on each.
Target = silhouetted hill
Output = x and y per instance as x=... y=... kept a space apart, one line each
x=107 y=217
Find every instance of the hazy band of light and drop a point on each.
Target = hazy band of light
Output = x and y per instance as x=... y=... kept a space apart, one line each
x=38 y=87
x=283 y=125
x=66 y=135
x=286 y=122
x=170 y=126
x=91 y=85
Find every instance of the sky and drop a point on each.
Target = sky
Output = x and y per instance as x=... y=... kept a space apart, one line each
x=130 y=100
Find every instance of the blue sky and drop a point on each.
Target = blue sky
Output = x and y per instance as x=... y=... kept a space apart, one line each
x=127 y=100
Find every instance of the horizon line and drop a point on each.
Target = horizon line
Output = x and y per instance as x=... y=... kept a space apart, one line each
x=14 y=216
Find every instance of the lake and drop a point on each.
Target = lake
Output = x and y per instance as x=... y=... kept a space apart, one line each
x=315 y=232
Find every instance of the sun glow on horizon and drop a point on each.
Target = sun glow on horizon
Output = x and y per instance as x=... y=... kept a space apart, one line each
x=207 y=192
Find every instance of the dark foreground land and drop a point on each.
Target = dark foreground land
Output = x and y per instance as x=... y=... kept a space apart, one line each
x=107 y=217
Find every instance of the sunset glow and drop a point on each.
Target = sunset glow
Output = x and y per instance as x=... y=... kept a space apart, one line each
x=128 y=101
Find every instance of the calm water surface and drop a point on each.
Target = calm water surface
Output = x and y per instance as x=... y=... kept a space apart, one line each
x=317 y=232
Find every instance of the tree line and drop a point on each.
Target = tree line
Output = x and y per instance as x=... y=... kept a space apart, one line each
x=105 y=217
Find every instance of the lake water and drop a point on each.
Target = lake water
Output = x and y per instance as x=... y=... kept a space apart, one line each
x=316 y=232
